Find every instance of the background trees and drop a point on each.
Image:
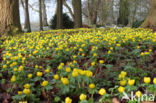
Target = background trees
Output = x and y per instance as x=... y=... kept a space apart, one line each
x=25 y=4
x=9 y=16
x=89 y=12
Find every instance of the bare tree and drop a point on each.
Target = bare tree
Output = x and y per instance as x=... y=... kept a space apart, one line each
x=59 y=14
x=92 y=10
x=77 y=13
x=26 y=13
x=40 y=14
x=150 y=21
x=44 y=14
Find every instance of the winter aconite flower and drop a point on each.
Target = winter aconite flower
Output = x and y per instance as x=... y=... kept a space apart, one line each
x=101 y=61
x=65 y=81
x=123 y=82
x=82 y=97
x=147 y=80
x=26 y=91
x=68 y=69
x=123 y=73
x=75 y=73
x=131 y=82
x=92 y=85
x=68 y=100
x=121 y=89
x=19 y=92
x=102 y=91
x=138 y=94
x=39 y=74
x=23 y=102
x=29 y=75
x=56 y=76
x=47 y=70
x=13 y=78
x=44 y=83
x=154 y=81
x=89 y=73
x=27 y=86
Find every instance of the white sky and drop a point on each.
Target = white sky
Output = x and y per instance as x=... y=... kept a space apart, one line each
x=34 y=16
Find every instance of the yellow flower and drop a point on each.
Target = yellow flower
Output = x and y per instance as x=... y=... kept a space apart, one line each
x=62 y=64
x=123 y=82
x=68 y=100
x=101 y=61
x=56 y=76
x=138 y=47
x=26 y=91
x=91 y=85
x=102 y=91
x=36 y=66
x=35 y=52
x=19 y=92
x=123 y=73
x=93 y=63
x=74 y=56
x=23 y=102
x=13 y=78
x=47 y=70
x=29 y=75
x=131 y=82
x=75 y=73
x=4 y=66
x=68 y=69
x=15 y=69
x=80 y=49
x=118 y=45
x=65 y=81
x=94 y=54
x=142 y=54
x=109 y=52
x=60 y=67
x=44 y=83
x=138 y=94
x=121 y=89
x=82 y=97
x=27 y=86
x=154 y=81
x=20 y=68
x=111 y=48
x=89 y=73
x=39 y=74
x=82 y=72
x=147 y=80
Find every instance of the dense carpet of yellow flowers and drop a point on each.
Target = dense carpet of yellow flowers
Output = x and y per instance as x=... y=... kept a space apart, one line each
x=64 y=63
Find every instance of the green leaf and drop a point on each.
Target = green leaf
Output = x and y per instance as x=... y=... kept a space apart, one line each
x=57 y=99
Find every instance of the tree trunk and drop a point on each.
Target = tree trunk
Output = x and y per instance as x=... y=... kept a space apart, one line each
x=59 y=14
x=123 y=12
x=44 y=14
x=9 y=17
x=92 y=11
x=150 y=21
x=77 y=13
x=27 y=20
x=40 y=15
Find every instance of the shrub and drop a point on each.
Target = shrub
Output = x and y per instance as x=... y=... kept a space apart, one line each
x=137 y=23
x=67 y=22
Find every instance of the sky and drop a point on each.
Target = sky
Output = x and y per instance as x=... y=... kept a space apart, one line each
x=34 y=16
